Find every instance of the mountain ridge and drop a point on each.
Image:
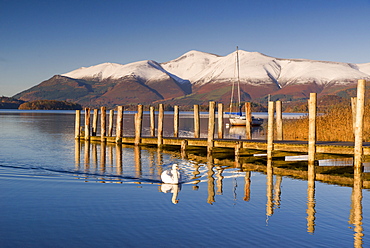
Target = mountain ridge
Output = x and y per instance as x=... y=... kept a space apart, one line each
x=197 y=77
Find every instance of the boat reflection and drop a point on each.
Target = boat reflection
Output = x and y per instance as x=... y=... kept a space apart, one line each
x=239 y=132
x=109 y=163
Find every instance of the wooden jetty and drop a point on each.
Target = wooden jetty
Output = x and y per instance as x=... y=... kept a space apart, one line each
x=89 y=132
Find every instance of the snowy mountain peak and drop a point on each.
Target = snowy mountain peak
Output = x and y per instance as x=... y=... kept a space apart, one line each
x=254 y=68
x=145 y=70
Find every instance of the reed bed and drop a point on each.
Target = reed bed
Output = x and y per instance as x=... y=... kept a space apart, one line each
x=333 y=124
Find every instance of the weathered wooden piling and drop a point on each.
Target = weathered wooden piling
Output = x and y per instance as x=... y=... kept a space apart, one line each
x=87 y=123
x=77 y=124
x=211 y=126
x=152 y=121
x=196 y=122
x=176 y=121
x=312 y=111
x=110 y=127
x=360 y=105
x=248 y=122
x=138 y=124
x=353 y=107
x=119 y=125
x=160 y=126
x=270 y=129
x=220 y=116
x=103 y=124
x=95 y=122
x=279 y=121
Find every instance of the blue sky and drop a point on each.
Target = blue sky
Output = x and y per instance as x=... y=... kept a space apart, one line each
x=43 y=38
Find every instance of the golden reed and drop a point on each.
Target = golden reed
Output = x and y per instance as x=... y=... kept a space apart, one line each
x=334 y=124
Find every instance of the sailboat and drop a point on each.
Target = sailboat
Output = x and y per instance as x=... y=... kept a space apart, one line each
x=238 y=119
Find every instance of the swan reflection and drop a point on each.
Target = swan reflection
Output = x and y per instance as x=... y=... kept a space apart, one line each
x=171 y=188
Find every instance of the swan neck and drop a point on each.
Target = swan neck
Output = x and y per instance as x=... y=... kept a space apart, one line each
x=175 y=175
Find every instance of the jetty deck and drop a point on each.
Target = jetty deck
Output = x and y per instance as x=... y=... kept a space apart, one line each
x=329 y=147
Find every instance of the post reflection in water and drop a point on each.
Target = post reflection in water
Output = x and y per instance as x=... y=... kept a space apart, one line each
x=89 y=162
x=137 y=155
x=211 y=183
x=269 y=188
x=311 y=173
x=219 y=177
x=159 y=161
x=277 y=191
x=87 y=156
x=102 y=157
x=94 y=156
x=110 y=155
x=196 y=177
x=247 y=186
x=77 y=154
x=355 y=217
x=119 y=159
x=151 y=164
x=273 y=192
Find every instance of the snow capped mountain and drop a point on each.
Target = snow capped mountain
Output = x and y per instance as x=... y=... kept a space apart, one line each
x=255 y=68
x=191 y=65
x=320 y=72
x=145 y=70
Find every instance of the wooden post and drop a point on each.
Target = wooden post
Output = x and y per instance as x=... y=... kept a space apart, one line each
x=211 y=126
x=196 y=122
x=119 y=125
x=103 y=124
x=279 y=121
x=138 y=124
x=152 y=121
x=220 y=116
x=353 y=105
x=176 y=121
x=360 y=105
x=87 y=123
x=160 y=126
x=312 y=128
x=111 y=117
x=248 y=120
x=95 y=122
x=270 y=129
x=77 y=124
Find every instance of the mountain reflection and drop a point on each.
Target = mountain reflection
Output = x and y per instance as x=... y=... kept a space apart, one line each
x=119 y=163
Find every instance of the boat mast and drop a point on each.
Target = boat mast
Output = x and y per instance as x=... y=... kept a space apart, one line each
x=237 y=67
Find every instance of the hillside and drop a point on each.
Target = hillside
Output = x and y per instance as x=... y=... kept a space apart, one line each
x=9 y=103
x=198 y=77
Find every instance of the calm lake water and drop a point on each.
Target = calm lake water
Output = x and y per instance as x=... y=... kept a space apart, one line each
x=56 y=192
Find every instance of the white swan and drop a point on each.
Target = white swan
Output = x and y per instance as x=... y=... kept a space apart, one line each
x=171 y=176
